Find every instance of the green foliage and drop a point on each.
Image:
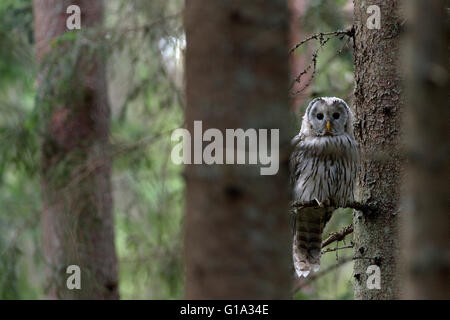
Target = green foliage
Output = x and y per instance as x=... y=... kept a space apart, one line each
x=16 y=34
x=19 y=195
x=17 y=143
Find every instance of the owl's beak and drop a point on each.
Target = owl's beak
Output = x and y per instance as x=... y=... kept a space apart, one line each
x=328 y=126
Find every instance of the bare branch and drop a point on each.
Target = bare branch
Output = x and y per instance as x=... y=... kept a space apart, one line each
x=338 y=236
x=337 y=248
x=319 y=36
x=323 y=38
x=297 y=80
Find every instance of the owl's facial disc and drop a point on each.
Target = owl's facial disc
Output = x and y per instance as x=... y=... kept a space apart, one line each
x=328 y=119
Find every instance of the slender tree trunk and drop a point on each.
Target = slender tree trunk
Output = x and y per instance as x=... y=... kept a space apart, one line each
x=237 y=221
x=378 y=105
x=77 y=219
x=427 y=218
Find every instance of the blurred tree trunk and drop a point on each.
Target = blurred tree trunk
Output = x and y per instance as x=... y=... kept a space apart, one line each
x=427 y=198
x=77 y=219
x=237 y=221
x=378 y=105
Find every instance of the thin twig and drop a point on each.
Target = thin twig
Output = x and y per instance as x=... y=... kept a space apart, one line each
x=313 y=75
x=320 y=35
x=327 y=63
x=323 y=38
x=337 y=236
x=337 y=248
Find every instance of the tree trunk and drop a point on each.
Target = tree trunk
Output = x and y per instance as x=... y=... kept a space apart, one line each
x=427 y=219
x=378 y=105
x=237 y=221
x=77 y=221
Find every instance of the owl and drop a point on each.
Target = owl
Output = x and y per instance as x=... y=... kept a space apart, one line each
x=323 y=167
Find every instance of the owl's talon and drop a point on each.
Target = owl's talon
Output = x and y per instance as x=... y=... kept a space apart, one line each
x=319 y=203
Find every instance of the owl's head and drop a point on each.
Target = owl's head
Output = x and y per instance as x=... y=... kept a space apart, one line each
x=327 y=116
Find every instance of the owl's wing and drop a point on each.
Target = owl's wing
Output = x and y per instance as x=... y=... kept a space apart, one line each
x=297 y=155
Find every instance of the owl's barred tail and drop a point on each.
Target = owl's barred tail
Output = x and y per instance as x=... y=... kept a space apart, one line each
x=307 y=244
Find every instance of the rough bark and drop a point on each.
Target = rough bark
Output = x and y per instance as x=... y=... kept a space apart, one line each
x=426 y=201
x=378 y=105
x=237 y=223
x=77 y=219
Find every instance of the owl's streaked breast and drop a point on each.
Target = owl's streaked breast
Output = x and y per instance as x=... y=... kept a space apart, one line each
x=325 y=168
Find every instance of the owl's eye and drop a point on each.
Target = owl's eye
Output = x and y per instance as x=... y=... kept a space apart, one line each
x=336 y=115
x=320 y=116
